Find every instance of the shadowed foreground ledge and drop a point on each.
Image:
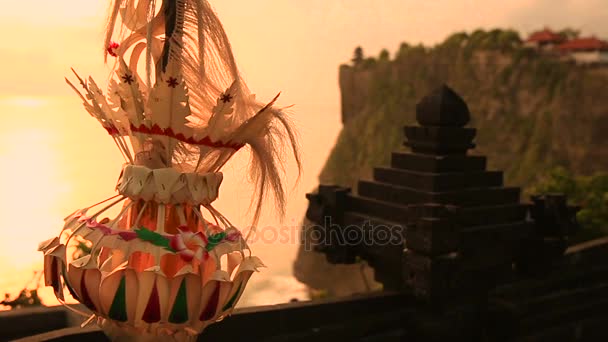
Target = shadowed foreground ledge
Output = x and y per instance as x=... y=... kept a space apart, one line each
x=376 y=317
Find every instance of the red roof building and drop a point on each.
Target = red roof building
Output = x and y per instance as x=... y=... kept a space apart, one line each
x=584 y=44
x=544 y=37
x=589 y=50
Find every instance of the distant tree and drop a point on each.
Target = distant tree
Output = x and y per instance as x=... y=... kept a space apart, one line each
x=590 y=192
x=358 y=57
x=369 y=62
x=495 y=39
x=477 y=37
x=385 y=55
x=403 y=49
x=456 y=39
x=492 y=37
x=559 y=180
x=419 y=48
x=569 y=33
x=508 y=39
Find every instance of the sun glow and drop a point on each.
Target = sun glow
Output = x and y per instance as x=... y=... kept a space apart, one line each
x=24 y=101
x=31 y=189
x=30 y=185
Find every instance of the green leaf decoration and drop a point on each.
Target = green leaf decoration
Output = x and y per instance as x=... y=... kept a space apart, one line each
x=215 y=240
x=230 y=303
x=179 y=313
x=154 y=238
x=118 y=310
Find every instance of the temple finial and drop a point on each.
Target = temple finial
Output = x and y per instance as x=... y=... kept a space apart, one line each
x=443 y=107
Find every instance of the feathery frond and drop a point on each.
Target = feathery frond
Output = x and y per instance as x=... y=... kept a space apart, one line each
x=191 y=110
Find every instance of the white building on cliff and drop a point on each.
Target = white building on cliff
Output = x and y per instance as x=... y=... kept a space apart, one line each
x=590 y=50
x=585 y=50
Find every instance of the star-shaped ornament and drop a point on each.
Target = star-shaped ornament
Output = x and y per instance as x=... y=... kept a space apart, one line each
x=172 y=82
x=128 y=78
x=226 y=98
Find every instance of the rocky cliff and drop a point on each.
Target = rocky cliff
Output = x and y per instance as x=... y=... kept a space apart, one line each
x=533 y=112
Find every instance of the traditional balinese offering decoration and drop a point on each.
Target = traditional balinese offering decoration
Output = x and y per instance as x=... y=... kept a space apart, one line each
x=166 y=264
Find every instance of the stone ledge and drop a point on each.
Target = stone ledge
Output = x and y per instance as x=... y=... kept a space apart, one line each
x=23 y=322
x=356 y=317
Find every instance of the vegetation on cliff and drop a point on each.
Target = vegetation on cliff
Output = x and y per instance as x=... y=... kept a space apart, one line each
x=533 y=112
x=590 y=192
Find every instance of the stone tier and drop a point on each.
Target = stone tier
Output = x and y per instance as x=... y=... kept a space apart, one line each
x=471 y=216
x=437 y=164
x=387 y=211
x=436 y=182
x=471 y=197
x=440 y=140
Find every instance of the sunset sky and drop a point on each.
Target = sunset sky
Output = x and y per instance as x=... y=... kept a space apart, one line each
x=290 y=45
x=49 y=147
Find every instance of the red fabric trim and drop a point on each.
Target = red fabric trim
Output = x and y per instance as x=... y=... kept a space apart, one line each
x=111 y=130
x=168 y=132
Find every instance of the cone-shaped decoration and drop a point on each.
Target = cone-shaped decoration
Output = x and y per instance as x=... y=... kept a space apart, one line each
x=154 y=269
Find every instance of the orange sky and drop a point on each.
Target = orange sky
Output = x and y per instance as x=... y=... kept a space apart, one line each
x=293 y=46
x=289 y=45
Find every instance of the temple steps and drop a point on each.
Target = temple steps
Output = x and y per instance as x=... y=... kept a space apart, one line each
x=437 y=164
x=435 y=182
x=464 y=198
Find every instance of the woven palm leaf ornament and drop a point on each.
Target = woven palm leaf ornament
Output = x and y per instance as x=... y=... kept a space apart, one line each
x=168 y=264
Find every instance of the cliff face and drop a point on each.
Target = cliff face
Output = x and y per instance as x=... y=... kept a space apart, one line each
x=355 y=90
x=533 y=112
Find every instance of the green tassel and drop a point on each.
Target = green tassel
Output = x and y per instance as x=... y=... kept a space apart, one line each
x=153 y=238
x=233 y=299
x=214 y=240
x=179 y=313
x=118 y=310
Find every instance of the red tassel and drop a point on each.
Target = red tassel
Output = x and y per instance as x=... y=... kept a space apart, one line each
x=152 y=312
x=211 y=307
x=111 y=49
